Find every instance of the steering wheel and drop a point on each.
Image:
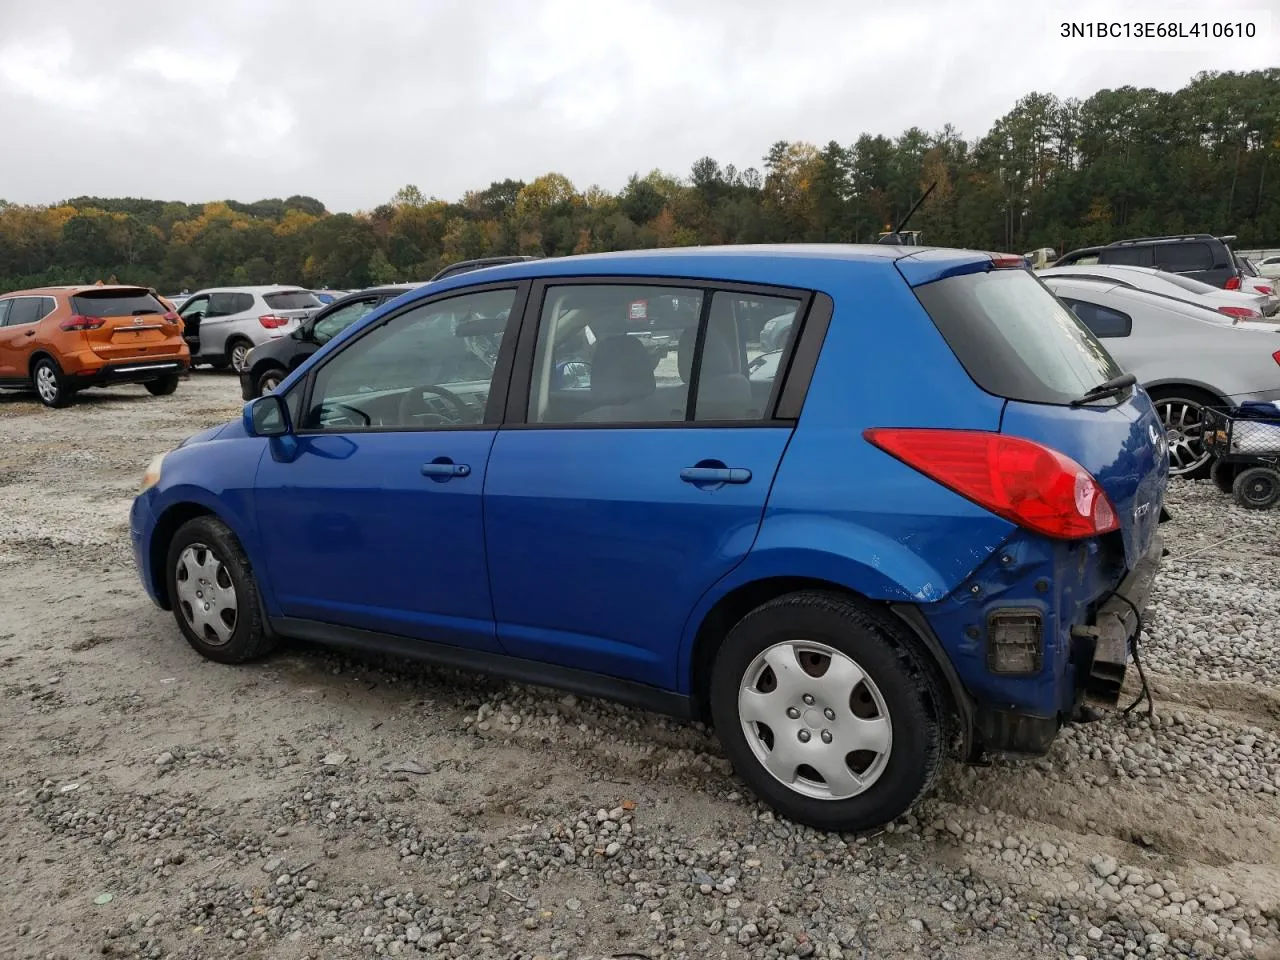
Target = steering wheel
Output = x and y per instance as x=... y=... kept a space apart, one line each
x=412 y=400
x=365 y=419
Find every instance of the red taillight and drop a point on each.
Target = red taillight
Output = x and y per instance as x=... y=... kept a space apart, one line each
x=1276 y=356
x=1232 y=284
x=78 y=322
x=170 y=317
x=1240 y=313
x=1020 y=480
x=271 y=322
x=1007 y=260
x=1262 y=288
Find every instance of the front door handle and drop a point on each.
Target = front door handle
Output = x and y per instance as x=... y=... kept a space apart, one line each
x=443 y=468
x=715 y=475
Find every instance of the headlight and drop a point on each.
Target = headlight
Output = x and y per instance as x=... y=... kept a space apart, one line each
x=152 y=476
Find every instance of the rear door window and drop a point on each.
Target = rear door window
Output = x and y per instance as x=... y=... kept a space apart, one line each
x=1183 y=257
x=292 y=300
x=4 y=311
x=221 y=305
x=1102 y=321
x=116 y=303
x=1015 y=339
x=1129 y=256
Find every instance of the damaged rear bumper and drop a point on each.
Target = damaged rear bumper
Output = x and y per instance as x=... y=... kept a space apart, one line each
x=1116 y=623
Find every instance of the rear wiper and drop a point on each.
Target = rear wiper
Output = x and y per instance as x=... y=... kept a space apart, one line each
x=1108 y=388
x=145 y=311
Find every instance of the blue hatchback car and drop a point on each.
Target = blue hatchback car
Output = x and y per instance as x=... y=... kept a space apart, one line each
x=927 y=526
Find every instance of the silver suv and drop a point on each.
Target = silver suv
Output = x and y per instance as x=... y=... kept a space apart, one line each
x=222 y=324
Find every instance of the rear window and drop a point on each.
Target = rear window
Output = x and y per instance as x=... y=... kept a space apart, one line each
x=1015 y=339
x=1181 y=257
x=116 y=303
x=292 y=300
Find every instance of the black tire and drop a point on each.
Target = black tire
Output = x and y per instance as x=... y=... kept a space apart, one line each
x=1224 y=476
x=1162 y=397
x=269 y=379
x=162 y=387
x=52 y=388
x=1257 y=488
x=233 y=348
x=910 y=693
x=247 y=635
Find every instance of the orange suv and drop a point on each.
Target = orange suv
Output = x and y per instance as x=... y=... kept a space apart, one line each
x=63 y=339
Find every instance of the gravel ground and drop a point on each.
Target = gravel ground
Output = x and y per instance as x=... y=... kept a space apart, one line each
x=156 y=805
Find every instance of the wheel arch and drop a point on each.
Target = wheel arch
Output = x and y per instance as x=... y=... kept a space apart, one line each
x=166 y=525
x=736 y=603
x=1170 y=386
x=36 y=357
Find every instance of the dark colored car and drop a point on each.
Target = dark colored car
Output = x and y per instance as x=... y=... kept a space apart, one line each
x=936 y=529
x=466 y=266
x=1201 y=256
x=268 y=364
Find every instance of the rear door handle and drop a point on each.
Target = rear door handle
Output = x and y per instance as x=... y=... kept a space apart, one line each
x=446 y=469
x=715 y=475
x=30 y=333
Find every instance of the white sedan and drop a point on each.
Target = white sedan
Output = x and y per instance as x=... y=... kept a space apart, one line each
x=1238 y=304
x=1187 y=357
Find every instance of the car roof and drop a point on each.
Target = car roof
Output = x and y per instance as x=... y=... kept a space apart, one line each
x=73 y=288
x=396 y=288
x=798 y=264
x=270 y=288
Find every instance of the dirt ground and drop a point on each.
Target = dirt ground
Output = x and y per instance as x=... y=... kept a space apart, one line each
x=313 y=805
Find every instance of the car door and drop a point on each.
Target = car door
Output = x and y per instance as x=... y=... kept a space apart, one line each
x=18 y=335
x=611 y=506
x=374 y=521
x=8 y=354
x=220 y=318
x=192 y=313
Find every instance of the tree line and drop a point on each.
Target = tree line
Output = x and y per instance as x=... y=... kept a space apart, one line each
x=1051 y=172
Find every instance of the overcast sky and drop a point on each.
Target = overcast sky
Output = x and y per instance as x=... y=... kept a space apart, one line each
x=347 y=101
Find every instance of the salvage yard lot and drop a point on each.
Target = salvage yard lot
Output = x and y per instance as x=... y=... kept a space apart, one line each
x=317 y=806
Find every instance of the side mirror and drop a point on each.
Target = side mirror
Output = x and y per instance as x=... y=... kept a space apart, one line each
x=267 y=416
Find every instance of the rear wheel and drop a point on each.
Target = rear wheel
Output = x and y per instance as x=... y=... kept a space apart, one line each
x=1257 y=488
x=1181 y=410
x=237 y=351
x=162 y=387
x=51 y=386
x=826 y=713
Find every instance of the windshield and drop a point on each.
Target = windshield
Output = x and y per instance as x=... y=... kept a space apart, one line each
x=1015 y=338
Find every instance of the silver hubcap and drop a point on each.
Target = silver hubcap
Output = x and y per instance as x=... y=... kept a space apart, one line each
x=46 y=384
x=269 y=383
x=238 y=353
x=206 y=594
x=815 y=720
x=1184 y=429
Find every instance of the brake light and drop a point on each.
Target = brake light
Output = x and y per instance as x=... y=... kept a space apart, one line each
x=78 y=322
x=1026 y=483
x=271 y=322
x=170 y=317
x=1262 y=288
x=1276 y=356
x=1233 y=283
x=1003 y=261
x=1240 y=313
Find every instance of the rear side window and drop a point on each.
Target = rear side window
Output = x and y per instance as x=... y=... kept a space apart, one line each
x=4 y=311
x=1102 y=321
x=292 y=300
x=1015 y=339
x=116 y=303
x=1182 y=257
x=1129 y=256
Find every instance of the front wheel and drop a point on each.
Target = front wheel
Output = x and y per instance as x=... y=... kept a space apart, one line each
x=1257 y=488
x=162 y=387
x=269 y=380
x=214 y=594
x=826 y=713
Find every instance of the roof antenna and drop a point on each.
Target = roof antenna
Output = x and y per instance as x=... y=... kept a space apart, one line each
x=895 y=238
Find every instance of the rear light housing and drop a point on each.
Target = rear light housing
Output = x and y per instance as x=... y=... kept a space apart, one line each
x=1276 y=356
x=78 y=322
x=1263 y=288
x=1005 y=261
x=171 y=317
x=1232 y=283
x=272 y=322
x=1240 y=313
x=1027 y=483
